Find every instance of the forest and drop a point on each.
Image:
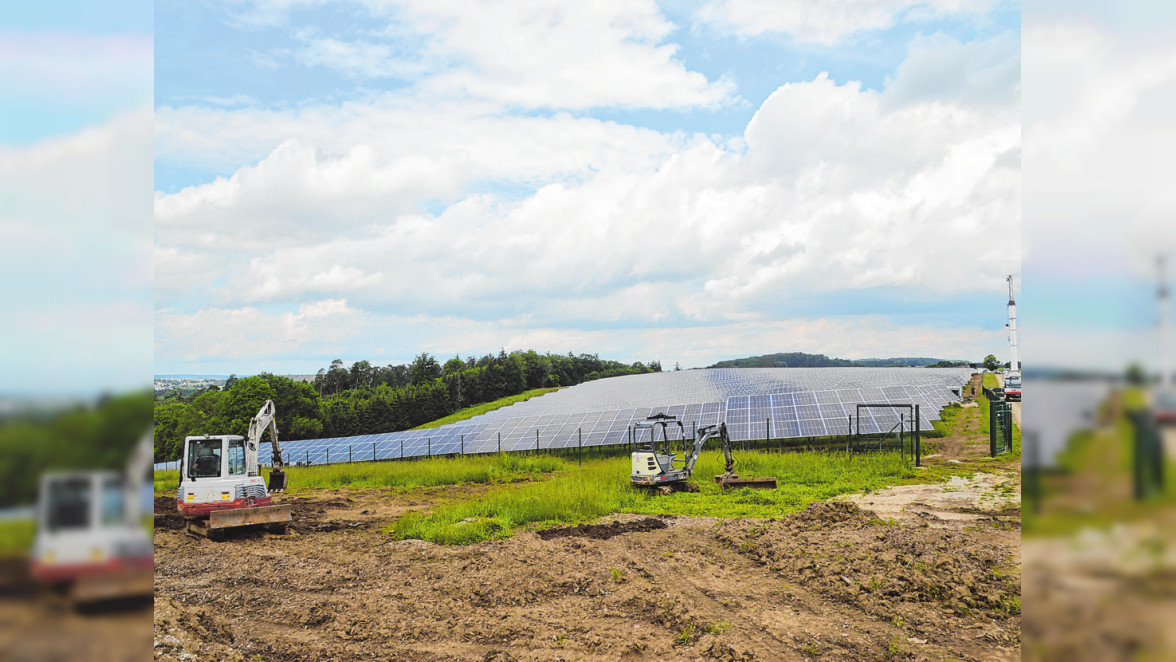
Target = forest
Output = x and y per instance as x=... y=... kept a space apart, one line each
x=367 y=399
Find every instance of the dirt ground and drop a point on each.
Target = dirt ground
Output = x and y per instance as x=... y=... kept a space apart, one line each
x=33 y=627
x=833 y=582
x=1103 y=594
x=1106 y=591
x=916 y=572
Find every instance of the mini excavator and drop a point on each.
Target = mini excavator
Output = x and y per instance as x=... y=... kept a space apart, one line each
x=220 y=486
x=656 y=465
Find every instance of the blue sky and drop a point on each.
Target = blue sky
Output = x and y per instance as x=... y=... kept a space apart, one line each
x=75 y=181
x=680 y=181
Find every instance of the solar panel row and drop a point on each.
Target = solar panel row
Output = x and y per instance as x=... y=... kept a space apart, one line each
x=776 y=403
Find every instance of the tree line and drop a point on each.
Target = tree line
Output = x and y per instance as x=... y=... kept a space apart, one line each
x=367 y=399
x=90 y=436
x=803 y=360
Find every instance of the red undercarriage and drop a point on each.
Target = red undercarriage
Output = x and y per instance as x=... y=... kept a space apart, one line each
x=68 y=572
x=204 y=509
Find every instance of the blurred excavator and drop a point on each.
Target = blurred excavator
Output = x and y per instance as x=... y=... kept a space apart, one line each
x=91 y=544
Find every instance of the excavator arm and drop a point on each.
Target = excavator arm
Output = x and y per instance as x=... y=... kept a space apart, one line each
x=266 y=418
x=704 y=435
x=137 y=465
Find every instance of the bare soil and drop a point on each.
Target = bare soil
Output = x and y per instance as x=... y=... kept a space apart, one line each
x=602 y=531
x=1103 y=594
x=35 y=626
x=833 y=582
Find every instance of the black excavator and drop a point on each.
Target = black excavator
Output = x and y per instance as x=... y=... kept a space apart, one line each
x=656 y=465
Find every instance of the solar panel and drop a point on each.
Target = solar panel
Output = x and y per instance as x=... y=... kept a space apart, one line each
x=756 y=403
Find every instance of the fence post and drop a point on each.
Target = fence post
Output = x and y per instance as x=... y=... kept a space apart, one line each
x=500 y=441
x=768 y=426
x=463 y=444
x=992 y=428
x=857 y=435
x=430 y=447
x=402 y=448
x=373 y=451
x=918 y=439
x=308 y=457
x=580 y=447
x=348 y=453
x=902 y=428
x=536 y=441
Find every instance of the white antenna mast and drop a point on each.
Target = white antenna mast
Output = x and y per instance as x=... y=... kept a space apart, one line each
x=1014 y=363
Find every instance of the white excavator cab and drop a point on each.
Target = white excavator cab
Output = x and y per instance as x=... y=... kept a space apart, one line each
x=216 y=475
x=90 y=544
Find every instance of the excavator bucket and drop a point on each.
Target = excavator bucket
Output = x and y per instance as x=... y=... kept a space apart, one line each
x=225 y=519
x=277 y=480
x=112 y=586
x=219 y=520
x=734 y=482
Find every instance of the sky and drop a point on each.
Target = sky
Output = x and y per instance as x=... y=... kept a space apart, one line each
x=682 y=182
x=76 y=253
x=1099 y=159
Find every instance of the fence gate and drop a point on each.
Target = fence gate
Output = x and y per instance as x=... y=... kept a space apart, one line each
x=1000 y=427
x=898 y=432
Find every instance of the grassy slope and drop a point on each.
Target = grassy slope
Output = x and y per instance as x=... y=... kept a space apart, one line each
x=602 y=487
x=498 y=468
x=470 y=412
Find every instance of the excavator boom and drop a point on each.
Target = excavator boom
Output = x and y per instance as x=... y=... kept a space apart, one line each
x=267 y=418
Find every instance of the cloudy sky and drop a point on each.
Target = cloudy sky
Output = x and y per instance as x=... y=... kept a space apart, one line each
x=75 y=209
x=679 y=181
x=1099 y=164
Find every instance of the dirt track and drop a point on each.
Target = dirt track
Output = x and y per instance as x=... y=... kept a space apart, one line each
x=34 y=628
x=832 y=583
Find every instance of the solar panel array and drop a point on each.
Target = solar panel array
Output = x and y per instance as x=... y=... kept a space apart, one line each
x=756 y=403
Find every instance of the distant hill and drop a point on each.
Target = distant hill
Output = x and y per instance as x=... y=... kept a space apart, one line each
x=802 y=360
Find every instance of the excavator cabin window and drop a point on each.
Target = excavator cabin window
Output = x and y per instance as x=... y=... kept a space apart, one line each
x=113 y=502
x=204 y=456
x=236 y=457
x=69 y=504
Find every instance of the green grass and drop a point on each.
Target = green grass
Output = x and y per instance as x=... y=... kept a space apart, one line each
x=166 y=482
x=951 y=421
x=449 y=470
x=497 y=468
x=16 y=537
x=990 y=380
x=602 y=488
x=470 y=412
x=1134 y=398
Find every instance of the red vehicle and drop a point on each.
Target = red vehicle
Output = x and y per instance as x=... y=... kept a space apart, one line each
x=1012 y=386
